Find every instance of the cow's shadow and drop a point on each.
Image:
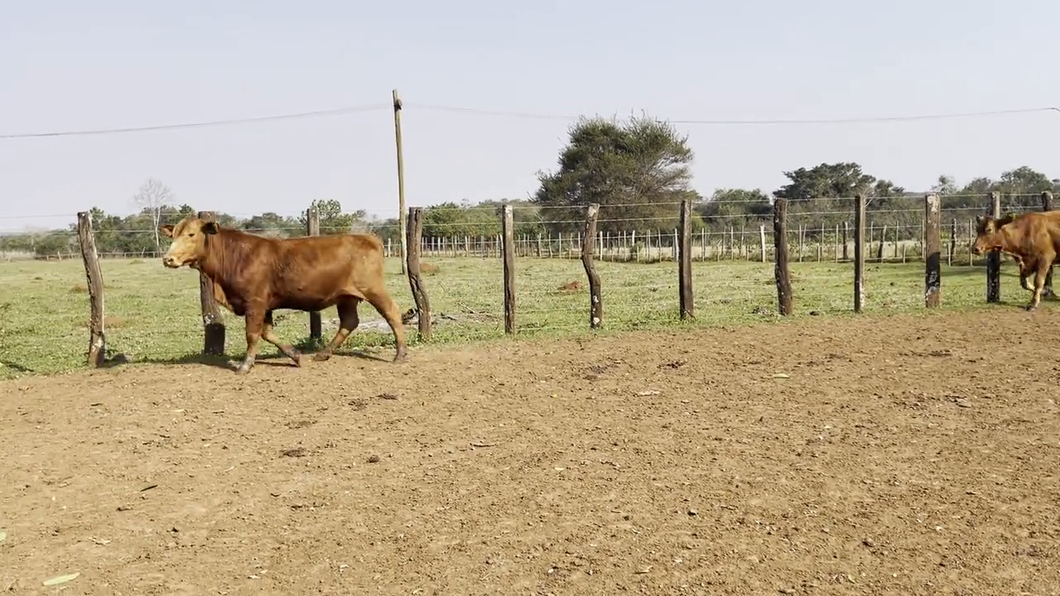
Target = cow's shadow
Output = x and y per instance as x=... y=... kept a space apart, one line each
x=230 y=362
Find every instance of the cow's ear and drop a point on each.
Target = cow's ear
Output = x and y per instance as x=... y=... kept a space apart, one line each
x=167 y=230
x=209 y=227
x=979 y=220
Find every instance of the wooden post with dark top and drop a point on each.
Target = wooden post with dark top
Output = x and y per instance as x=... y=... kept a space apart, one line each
x=1047 y=205
x=508 y=256
x=684 y=264
x=312 y=225
x=780 y=242
x=859 y=253
x=412 y=262
x=993 y=258
x=97 y=341
x=213 y=323
x=596 y=307
x=932 y=250
x=402 y=220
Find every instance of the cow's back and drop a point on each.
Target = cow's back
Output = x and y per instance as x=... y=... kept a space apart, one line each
x=313 y=269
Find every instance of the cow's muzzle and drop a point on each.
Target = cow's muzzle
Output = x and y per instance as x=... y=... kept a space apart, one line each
x=170 y=262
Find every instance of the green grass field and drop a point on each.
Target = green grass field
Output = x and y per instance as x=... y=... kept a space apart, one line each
x=152 y=314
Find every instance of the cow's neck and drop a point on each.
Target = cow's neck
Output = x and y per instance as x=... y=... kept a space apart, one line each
x=222 y=254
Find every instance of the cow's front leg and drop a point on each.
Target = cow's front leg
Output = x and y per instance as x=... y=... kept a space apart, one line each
x=255 y=321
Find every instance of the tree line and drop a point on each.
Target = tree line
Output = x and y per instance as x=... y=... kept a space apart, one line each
x=637 y=171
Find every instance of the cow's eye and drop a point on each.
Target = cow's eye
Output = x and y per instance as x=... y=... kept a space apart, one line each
x=191 y=234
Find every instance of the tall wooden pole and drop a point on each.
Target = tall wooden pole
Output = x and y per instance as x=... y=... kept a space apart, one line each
x=402 y=221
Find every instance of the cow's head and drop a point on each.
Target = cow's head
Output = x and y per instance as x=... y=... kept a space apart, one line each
x=189 y=241
x=986 y=232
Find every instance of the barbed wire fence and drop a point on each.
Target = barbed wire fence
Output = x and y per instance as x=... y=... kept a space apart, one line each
x=648 y=272
x=524 y=269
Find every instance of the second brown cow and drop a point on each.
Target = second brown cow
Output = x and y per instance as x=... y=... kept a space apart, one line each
x=1033 y=239
x=254 y=275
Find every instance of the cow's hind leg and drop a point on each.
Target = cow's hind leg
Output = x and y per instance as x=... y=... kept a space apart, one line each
x=385 y=305
x=255 y=321
x=1026 y=268
x=269 y=335
x=348 y=321
x=1044 y=265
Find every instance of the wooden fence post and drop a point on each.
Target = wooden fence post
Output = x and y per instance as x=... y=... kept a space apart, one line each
x=780 y=242
x=684 y=265
x=859 y=253
x=596 y=306
x=932 y=251
x=953 y=241
x=312 y=219
x=1047 y=205
x=402 y=221
x=993 y=258
x=846 y=235
x=97 y=341
x=508 y=255
x=412 y=259
x=213 y=323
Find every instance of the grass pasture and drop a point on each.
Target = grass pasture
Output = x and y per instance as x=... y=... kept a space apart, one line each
x=152 y=314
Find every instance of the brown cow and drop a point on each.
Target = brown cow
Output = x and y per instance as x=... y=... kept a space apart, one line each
x=255 y=275
x=1033 y=239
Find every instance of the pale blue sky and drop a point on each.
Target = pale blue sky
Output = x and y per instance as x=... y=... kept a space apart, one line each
x=116 y=63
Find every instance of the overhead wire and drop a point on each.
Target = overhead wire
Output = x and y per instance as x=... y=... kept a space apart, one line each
x=511 y=114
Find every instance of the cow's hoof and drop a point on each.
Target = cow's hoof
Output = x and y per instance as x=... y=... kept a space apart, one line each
x=401 y=356
x=242 y=369
x=1031 y=308
x=321 y=356
x=298 y=359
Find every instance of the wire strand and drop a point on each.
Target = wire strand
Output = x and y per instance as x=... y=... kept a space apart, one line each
x=230 y=121
x=512 y=114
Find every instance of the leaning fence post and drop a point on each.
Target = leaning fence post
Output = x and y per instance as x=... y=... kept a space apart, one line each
x=993 y=258
x=781 y=270
x=312 y=224
x=508 y=257
x=932 y=251
x=414 y=233
x=596 y=307
x=213 y=325
x=684 y=265
x=97 y=342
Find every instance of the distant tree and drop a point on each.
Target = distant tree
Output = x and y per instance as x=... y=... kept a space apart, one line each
x=332 y=219
x=635 y=170
x=272 y=224
x=528 y=217
x=734 y=207
x=945 y=185
x=836 y=180
x=452 y=220
x=152 y=197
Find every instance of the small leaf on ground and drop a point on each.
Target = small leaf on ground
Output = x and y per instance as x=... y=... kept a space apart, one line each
x=62 y=579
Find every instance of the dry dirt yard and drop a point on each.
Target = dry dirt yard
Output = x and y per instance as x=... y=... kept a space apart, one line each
x=899 y=455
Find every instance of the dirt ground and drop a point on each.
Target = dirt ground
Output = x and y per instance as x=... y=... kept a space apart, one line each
x=900 y=455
